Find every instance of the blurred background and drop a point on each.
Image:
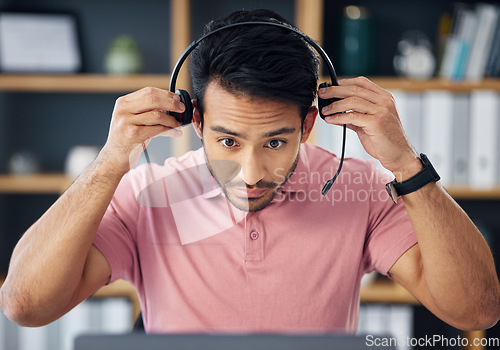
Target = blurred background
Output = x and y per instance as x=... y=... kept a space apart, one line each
x=63 y=63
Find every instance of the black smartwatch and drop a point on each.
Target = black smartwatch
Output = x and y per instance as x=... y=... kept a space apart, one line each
x=423 y=177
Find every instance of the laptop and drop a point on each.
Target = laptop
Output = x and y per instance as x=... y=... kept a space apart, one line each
x=142 y=341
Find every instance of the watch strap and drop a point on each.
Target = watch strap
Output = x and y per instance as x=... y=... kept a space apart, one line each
x=427 y=175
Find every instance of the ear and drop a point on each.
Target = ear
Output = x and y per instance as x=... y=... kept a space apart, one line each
x=197 y=119
x=309 y=123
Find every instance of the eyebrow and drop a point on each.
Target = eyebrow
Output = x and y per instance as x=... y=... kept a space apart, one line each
x=282 y=131
x=223 y=130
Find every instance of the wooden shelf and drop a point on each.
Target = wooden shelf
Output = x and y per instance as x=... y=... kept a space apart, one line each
x=465 y=192
x=34 y=184
x=88 y=83
x=58 y=183
x=394 y=83
x=101 y=83
x=436 y=84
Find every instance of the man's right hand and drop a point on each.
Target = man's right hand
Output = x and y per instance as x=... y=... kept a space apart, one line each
x=137 y=118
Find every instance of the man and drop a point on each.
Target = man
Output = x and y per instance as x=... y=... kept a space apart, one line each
x=235 y=236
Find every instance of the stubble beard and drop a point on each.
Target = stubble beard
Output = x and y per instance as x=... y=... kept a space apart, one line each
x=246 y=203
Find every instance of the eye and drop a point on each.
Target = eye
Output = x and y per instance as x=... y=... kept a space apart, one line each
x=228 y=143
x=275 y=144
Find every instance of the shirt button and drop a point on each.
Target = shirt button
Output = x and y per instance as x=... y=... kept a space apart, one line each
x=254 y=235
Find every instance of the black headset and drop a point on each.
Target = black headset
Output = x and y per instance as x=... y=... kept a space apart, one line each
x=187 y=116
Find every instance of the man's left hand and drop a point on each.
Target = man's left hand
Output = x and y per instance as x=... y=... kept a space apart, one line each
x=371 y=112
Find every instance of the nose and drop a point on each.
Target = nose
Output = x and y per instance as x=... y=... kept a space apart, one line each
x=252 y=167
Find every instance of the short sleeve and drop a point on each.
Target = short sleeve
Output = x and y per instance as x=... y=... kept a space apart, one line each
x=116 y=234
x=390 y=233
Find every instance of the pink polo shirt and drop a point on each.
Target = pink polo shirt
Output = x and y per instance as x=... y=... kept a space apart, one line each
x=201 y=265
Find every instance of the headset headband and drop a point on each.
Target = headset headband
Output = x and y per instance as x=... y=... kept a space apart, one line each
x=195 y=43
x=186 y=117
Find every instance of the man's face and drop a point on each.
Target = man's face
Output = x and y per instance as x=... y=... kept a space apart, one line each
x=251 y=145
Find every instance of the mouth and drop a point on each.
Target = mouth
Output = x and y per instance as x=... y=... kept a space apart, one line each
x=250 y=193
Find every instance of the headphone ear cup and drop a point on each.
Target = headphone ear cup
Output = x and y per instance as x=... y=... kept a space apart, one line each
x=323 y=103
x=187 y=116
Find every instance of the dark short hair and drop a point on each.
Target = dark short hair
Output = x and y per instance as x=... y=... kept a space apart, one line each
x=258 y=61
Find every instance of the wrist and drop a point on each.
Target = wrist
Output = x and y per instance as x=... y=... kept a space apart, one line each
x=426 y=175
x=412 y=167
x=112 y=165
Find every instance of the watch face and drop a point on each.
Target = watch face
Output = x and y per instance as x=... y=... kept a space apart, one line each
x=391 y=190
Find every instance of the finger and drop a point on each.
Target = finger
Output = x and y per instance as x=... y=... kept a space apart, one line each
x=366 y=84
x=140 y=94
x=353 y=120
x=355 y=104
x=150 y=98
x=155 y=117
x=148 y=132
x=345 y=91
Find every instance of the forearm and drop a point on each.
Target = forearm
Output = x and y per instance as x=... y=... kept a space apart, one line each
x=451 y=269
x=54 y=266
x=47 y=264
x=457 y=264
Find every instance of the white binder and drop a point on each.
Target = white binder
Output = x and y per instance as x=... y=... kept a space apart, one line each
x=437 y=132
x=460 y=137
x=484 y=129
